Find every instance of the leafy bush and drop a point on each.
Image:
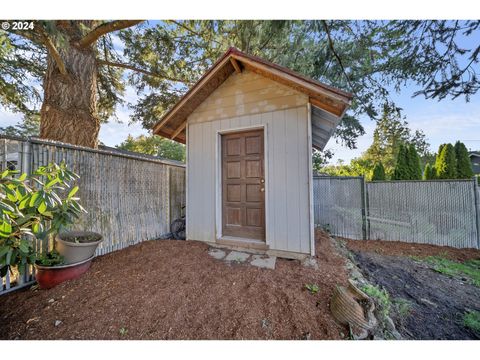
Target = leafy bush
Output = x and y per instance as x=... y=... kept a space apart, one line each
x=50 y=259
x=381 y=297
x=378 y=173
x=37 y=206
x=471 y=320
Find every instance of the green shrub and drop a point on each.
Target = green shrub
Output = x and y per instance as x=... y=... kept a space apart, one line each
x=413 y=163
x=471 y=320
x=381 y=297
x=446 y=165
x=38 y=206
x=378 y=173
x=464 y=165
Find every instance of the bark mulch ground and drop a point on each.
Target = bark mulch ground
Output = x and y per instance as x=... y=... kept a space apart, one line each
x=175 y=290
x=408 y=249
x=436 y=302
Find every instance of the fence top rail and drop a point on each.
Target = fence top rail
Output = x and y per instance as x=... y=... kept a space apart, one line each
x=143 y=157
x=336 y=177
x=420 y=181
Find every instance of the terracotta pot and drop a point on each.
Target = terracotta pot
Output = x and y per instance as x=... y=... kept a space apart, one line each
x=74 y=252
x=49 y=276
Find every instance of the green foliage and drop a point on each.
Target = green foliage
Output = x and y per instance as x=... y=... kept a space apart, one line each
x=357 y=167
x=429 y=172
x=123 y=331
x=464 y=165
x=381 y=298
x=471 y=320
x=390 y=132
x=36 y=206
x=30 y=126
x=51 y=258
x=155 y=145
x=446 y=164
x=378 y=172
x=401 y=171
x=413 y=163
x=469 y=268
x=312 y=288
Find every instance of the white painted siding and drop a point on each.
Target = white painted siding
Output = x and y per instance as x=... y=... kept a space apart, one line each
x=287 y=184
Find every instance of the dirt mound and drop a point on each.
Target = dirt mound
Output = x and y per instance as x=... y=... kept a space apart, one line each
x=174 y=290
x=437 y=301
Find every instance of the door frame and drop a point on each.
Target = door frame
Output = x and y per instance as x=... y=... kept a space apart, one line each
x=218 y=177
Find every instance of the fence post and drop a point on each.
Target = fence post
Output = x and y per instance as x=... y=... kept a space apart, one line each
x=477 y=209
x=364 y=208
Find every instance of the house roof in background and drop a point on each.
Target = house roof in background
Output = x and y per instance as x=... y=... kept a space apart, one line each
x=327 y=98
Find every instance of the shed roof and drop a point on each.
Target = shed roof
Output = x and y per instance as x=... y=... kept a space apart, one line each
x=328 y=103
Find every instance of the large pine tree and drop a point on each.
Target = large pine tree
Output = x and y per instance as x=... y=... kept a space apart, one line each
x=464 y=166
x=75 y=72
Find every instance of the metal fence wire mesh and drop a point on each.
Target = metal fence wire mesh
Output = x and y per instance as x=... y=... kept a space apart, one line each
x=429 y=212
x=129 y=198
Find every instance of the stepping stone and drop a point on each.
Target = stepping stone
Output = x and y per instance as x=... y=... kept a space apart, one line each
x=310 y=262
x=237 y=256
x=217 y=253
x=264 y=262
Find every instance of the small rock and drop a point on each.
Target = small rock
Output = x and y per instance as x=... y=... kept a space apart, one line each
x=237 y=256
x=216 y=253
x=63 y=296
x=263 y=262
x=265 y=323
x=58 y=322
x=306 y=336
x=310 y=262
x=51 y=301
x=427 y=302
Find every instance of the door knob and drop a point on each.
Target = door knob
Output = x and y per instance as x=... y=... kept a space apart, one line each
x=262 y=189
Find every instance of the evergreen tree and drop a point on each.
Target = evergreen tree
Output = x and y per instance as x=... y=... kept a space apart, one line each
x=378 y=173
x=401 y=171
x=413 y=163
x=429 y=172
x=464 y=166
x=446 y=165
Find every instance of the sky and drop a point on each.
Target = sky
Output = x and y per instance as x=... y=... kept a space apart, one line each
x=441 y=121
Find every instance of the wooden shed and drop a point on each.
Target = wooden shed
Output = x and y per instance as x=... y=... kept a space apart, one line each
x=249 y=126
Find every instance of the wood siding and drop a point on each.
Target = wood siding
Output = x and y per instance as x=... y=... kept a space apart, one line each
x=246 y=93
x=286 y=166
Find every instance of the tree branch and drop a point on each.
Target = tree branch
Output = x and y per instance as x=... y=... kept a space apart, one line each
x=134 y=68
x=53 y=51
x=330 y=42
x=106 y=28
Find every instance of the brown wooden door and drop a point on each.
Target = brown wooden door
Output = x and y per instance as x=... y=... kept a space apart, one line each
x=243 y=185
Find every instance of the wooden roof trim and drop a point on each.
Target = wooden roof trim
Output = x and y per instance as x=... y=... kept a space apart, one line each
x=330 y=99
x=296 y=79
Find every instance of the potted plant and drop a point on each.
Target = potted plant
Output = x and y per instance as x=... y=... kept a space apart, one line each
x=76 y=246
x=39 y=206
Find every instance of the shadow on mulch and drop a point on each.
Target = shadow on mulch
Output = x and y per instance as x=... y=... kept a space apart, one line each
x=174 y=290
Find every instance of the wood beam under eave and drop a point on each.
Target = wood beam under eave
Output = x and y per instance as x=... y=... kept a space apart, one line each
x=331 y=109
x=236 y=65
x=179 y=130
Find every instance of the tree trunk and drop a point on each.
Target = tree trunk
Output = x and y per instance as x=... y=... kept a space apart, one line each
x=69 y=109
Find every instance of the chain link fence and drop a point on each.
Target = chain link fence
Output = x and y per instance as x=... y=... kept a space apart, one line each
x=438 y=212
x=129 y=197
